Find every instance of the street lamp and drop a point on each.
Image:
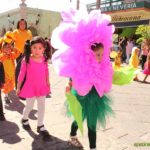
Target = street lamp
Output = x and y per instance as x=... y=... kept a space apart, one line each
x=38 y=19
x=10 y=22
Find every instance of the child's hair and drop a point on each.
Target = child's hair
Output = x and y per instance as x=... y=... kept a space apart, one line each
x=48 y=47
x=29 y=43
x=5 y=43
x=96 y=46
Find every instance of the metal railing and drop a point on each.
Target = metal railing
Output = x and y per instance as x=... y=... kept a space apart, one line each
x=113 y=5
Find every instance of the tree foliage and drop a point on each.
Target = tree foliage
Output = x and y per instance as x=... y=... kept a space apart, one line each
x=144 y=32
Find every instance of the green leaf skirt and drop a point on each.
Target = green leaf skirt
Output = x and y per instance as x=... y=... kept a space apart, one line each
x=92 y=107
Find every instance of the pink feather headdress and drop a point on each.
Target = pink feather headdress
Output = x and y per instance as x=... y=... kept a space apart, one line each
x=75 y=59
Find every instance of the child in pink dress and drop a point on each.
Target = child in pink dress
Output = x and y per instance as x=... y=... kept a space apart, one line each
x=147 y=68
x=34 y=68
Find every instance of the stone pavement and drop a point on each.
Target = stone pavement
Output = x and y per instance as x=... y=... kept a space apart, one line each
x=130 y=125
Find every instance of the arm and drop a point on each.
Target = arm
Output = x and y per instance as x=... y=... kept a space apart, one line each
x=18 y=88
x=47 y=75
x=29 y=34
x=69 y=86
x=21 y=75
x=15 y=53
x=2 y=57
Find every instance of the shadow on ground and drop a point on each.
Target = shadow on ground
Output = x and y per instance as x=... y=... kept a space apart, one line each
x=18 y=105
x=8 y=132
x=53 y=144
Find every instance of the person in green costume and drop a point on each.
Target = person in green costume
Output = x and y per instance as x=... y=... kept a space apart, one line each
x=94 y=108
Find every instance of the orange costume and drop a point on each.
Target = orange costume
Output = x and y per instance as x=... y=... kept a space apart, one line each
x=9 y=69
x=21 y=37
x=8 y=62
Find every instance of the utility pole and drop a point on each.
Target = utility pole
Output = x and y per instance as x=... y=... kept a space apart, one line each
x=98 y=2
x=78 y=4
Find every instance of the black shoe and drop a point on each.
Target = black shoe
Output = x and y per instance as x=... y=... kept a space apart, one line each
x=25 y=124
x=7 y=100
x=45 y=134
x=48 y=96
x=2 y=117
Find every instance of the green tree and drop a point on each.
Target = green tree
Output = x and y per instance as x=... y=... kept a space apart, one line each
x=144 y=32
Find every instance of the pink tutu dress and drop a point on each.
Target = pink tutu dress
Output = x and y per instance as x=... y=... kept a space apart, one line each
x=147 y=69
x=36 y=74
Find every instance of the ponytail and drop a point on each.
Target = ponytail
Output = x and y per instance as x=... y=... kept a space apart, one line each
x=27 y=51
x=47 y=53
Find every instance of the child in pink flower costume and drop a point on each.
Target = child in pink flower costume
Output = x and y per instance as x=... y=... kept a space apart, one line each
x=83 y=41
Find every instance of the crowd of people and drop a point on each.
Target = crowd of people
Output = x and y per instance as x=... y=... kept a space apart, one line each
x=136 y=56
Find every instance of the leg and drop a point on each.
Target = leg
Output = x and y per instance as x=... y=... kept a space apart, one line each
x=124 y=54
x=92 y=138
x=73 y=139
x=41 y=112
x=91 y=124
x=7 y=100
x=74 y=128
x=26 y=111
x=1 y=104
x=127 y=59
x=28 y=107
x=145 y=78
x=143 y=61
x=17 y=70
x=41 y=109
x=136 y=78
x=48 y=95
x=2 y=118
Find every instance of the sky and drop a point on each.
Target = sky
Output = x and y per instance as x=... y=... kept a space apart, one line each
x=56 y=5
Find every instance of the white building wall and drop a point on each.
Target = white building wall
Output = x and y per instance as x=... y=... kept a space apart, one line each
x=48 y=20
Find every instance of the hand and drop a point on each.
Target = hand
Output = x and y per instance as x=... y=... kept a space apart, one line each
x=68 y=89
x=17 y=92
x=48 y=84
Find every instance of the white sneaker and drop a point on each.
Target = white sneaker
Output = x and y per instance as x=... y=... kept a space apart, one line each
x=93 y=149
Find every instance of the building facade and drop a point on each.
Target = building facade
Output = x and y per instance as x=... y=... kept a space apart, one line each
x=40 y=22
x=125 y=13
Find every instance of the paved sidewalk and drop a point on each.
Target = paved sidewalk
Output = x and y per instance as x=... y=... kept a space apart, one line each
x=130 y=125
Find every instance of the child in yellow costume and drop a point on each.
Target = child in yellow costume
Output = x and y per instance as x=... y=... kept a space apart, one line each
x=7 y=56
x=134 y=60
x=117 y=62
x=124 y=74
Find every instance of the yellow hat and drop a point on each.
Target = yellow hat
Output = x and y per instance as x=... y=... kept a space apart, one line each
x=113 y=54
x=8 y=37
